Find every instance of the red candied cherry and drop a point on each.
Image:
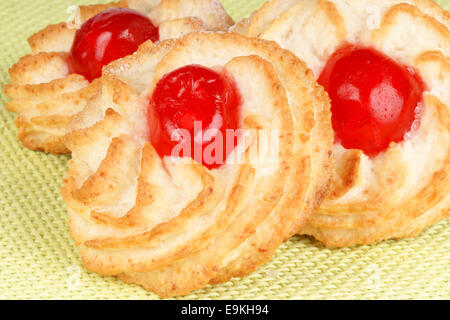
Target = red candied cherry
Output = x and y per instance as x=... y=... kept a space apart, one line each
x=373 y=98
x=108 y=36
x=202 y=103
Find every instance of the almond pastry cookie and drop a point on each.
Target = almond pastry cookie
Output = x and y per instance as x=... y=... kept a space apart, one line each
x=50 y=85
x=174 y=222
x=386 y=67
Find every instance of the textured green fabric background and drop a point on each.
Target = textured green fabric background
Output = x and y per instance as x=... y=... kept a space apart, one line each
x=38 y=259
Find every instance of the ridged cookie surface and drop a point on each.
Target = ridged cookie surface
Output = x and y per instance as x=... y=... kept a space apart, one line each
x=170 y=224
x=45 y=95
x=406 y=188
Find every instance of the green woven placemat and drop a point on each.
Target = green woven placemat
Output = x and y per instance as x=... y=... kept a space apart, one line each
x=38 y=259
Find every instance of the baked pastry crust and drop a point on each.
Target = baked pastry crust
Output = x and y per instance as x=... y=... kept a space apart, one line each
x=406 y=188
x=174 y=226
x=46 y=96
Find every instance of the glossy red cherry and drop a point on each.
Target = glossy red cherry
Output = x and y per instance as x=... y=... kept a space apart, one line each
x=108 y=36
x=202 y=103
x=374 y=100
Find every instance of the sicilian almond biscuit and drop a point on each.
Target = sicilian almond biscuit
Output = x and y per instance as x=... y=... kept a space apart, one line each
x=53 y=83
x=386 y=67
x=174 y=222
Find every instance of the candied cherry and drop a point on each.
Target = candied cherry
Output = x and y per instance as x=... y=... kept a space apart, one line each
x=201 y=102
x=108 y=36
x=374 y=99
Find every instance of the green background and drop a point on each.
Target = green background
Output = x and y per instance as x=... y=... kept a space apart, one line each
x=38 y=259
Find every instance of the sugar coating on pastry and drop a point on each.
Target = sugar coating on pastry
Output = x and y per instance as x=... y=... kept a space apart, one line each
x=170 y=224
x=406 y=188
x=44 y=93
